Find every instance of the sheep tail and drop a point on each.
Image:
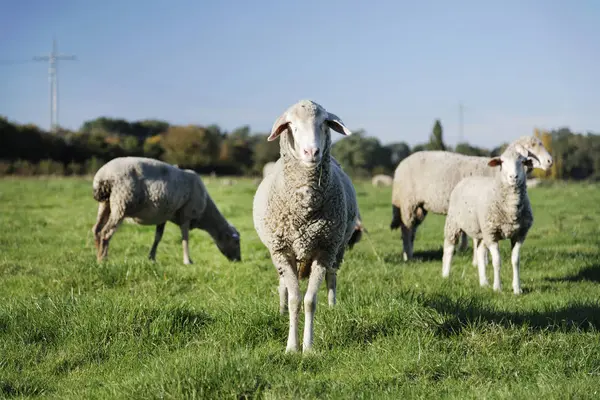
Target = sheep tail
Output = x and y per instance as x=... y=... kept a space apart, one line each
x=357 y=234
x=396 y=218
x=102 y=190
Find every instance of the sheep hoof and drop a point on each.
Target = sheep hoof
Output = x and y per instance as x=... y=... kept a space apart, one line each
x=188 y=262
x=517 y=290
x=291 y=349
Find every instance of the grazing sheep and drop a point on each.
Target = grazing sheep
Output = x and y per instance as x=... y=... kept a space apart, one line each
x=424 y=180
x=151 y=192
x=305 y=212
x=382 y=180
x=490 y=209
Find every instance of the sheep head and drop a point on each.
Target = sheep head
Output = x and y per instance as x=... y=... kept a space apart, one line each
x=534 y=151
x=307 y=124
x=513 y=165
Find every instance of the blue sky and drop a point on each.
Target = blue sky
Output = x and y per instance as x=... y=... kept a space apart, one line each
x=390 y=67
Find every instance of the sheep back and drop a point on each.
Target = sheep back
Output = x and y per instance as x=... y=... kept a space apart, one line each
x=426 y=179
x=149 y=191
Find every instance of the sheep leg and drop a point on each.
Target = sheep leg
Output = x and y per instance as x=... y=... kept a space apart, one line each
x=310 y=303
x=496 y=262
x=107 y=232
x=283 y=296
x=103 y=214
x=185 y=234
x=331 y=278
x=515 y=258
x=481 y=264
x=160 y=228
x=447 y=257
x=287 y=273
x=476 y=244
x=407 y=242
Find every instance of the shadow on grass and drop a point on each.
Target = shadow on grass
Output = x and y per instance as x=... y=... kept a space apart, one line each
x=429 y=255
x=464 y=312
x=588 y=274
x=424 y=256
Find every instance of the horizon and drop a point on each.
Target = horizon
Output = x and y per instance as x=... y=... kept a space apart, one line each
x=514 y=66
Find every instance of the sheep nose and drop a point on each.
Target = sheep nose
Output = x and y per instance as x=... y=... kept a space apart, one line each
x=311 y=152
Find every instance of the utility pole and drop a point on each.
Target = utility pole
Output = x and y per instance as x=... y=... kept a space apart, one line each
x=460 y=122
x=53 y=58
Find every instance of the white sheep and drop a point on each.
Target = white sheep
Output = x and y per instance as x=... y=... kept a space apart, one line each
x=268 y=168
x=424 y=180
x=305 y=212
x=382 y=180
x=490 y=209
x=151 y=192
x=358 y=229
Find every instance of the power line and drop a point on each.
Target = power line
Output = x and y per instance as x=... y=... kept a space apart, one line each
x=52 y=59
x=13 y=62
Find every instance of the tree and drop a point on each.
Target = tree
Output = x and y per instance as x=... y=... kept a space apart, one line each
x=358 y=153
x=263 y=151
x=467 y=149
x=436 y=140
x=153 y=147
x=191 y=146
x=398 y=152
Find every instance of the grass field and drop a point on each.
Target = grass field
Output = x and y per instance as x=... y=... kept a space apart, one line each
x=129 y=328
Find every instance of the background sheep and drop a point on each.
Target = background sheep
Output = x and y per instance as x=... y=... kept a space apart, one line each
x=382 y=180
x=305 y=211
x=152 y=192
x=424 y=180
x=490 y=209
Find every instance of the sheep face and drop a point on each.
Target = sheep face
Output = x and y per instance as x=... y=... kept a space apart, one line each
x=537 y=153
x=308 y=123
x=228 y=243
x=513 y=166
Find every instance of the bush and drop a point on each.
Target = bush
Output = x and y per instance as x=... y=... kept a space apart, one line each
x=5 y=168
x=74 y=168
x=23 y=167
x=50 y=167
x=92 y=165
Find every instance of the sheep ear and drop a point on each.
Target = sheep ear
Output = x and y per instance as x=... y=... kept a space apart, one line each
x=335 y=123
x=494 y=162
x=279 y=126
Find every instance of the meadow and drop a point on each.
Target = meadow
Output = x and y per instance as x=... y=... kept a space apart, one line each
x=71 y=328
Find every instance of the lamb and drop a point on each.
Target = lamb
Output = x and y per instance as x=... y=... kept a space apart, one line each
x=424 y=180
x=151 y=192
x=490 y=209
x=305 y=212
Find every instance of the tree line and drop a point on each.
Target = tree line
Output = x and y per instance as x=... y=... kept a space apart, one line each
x=26 y=149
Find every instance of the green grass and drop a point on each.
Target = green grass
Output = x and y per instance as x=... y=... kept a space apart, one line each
x=129 y=328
